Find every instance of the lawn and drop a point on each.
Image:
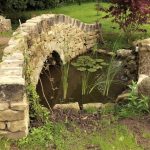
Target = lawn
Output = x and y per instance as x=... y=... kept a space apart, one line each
x=88 y=14
x=84 y=131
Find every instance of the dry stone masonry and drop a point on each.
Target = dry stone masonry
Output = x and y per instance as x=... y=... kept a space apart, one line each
x=34 y=41
x=5 y=24
x=144 y=67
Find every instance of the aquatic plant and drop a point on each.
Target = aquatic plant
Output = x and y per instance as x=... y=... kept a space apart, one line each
x=87 y=65
x=104 y=80
x=65 y=73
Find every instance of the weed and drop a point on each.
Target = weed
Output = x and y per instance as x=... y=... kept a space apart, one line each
x=38 y=138
x=37 y=111
x=4 y=144
x=136 y=105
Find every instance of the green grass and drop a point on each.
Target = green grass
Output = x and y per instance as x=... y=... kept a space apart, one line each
x=88 y=14
x=115 y=138
x=4 y=144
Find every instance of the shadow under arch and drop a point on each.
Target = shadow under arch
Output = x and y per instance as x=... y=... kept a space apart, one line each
x=49 y=79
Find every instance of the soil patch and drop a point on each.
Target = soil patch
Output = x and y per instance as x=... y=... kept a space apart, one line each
x=140 y=127
x=86 y=121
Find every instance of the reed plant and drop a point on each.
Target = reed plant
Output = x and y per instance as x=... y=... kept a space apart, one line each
x=105 y=80
x=65 y=74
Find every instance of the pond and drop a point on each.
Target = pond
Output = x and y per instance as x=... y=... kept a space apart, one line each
x=50 y=85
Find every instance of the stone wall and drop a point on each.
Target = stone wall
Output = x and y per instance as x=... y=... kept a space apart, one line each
x=5 y=24
x=144 y=67
x=34 y=41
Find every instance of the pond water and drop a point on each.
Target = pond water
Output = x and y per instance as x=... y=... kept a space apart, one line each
x=50 y=84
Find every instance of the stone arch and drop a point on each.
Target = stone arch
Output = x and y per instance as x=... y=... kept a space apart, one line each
x=29 y=47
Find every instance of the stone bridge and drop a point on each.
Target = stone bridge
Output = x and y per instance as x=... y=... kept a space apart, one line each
x=26 y=53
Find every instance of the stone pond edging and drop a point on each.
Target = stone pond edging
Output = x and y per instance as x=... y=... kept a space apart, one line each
x=34 y=41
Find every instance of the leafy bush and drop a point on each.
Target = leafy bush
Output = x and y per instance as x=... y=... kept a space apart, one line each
x=136 y=105
x=39 y=138
x=129 y=14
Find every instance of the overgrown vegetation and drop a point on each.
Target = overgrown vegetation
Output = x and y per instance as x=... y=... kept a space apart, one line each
x=135 y=105
x=38 y=138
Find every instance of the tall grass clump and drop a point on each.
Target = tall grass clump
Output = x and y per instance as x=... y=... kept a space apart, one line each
x=65 y=74
x=104 y=80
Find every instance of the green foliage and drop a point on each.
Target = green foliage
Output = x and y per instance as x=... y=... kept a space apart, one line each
x=10 y=5
x=4 y=144
x=38 y=138
x=37 y=111
x=146 y=135
x=104 y=80
x=87 y=65
x=136 y=105
x=116 y=138
x=65 y=72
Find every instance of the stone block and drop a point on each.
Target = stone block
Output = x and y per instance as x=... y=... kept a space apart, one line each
x=4 y=106
x=10 y=115
x=15 y=126
x=14 y=135
x=3 y=132
x=2 y=125
x=11 y=92
x=19 y=106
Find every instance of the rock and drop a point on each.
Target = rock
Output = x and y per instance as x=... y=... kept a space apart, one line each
x=10 y=115
x=2 y=125
x=14 y=135
x=20 y=106
x=11 y=92
x=5 y=24
x=15 y=126
x=123 y=53
x=101 y=51
x=144 y=86
x=4 y=106
x=92 y=105
x=65 y=106
x=122 y=97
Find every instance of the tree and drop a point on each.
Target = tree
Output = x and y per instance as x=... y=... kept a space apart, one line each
x=129 y=14
x=9 y=5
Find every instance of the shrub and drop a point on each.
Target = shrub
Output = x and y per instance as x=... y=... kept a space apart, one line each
x=136 y=105
x=129 y=14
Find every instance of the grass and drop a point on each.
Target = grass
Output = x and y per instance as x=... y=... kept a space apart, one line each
x=107 y=134
x=88 y=14
x=114 y=138
x=4 y=144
